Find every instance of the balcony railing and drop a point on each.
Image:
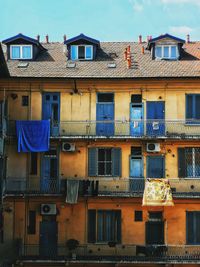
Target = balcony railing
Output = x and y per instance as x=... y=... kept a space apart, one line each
x=113 y=254
x=129 y=129
x=125 y=187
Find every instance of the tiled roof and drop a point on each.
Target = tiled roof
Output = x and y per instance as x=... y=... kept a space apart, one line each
x=53 y=63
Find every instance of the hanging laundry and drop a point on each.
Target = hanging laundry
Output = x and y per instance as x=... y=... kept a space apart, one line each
x=33 y=136
x=157 y=192
x=72 y=191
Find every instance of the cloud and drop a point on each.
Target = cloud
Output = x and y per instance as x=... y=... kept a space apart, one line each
x=137 y=5
x=181 y=29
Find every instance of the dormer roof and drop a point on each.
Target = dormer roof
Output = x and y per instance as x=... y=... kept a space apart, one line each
x=25 y=38
x=164 y=36
x=82 y=37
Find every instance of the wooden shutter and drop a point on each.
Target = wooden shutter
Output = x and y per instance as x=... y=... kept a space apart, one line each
x=181 y=162
x=189 y=107
x=116 y=161
x=91 y=226
x=190 y=227
x=155 y=167
x=197 y=106
x=32 y=222
x=92 y=162
x=118 y=222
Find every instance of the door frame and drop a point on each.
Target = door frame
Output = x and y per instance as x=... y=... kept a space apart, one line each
x=143 y=114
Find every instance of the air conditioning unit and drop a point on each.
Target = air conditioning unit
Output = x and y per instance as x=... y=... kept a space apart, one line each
x=153 y=147
x=68 y=147
x=48 y=209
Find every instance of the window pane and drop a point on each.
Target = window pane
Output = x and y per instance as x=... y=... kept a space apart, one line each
x=158 y=51
x=166 y=51
x=108 y=154
x=101 y=154
x=189 y=106
x=74 y=52
x=101 y=168
x=15 y=51
x=88 y=52
x=81 y=52
x=173 y=52
x=26 y=52
x=108 y=168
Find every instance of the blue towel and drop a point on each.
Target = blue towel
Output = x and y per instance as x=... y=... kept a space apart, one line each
x=33 y=136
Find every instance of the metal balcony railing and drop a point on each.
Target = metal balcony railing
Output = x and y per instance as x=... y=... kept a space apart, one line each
x=99 y=186
x=123 y=128
x=113 y=254
x=17 y=185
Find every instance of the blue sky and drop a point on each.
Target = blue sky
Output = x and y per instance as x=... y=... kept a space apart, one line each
x=106 y=20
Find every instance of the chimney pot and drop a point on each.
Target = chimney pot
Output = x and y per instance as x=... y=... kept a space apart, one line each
x=64 y=37
x=125 y=54
x=188 y=38
x=142 y=49
x=47 y=38
x=140 y=39
x=38 y=37
x=128 y=63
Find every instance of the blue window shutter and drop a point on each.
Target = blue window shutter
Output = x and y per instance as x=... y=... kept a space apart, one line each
x=92 y=162
x=116 y=161
x=155 y=167
x=91 y=226
x=189 y=106
x=118 y=222
x=197 y=106
x=181 y=162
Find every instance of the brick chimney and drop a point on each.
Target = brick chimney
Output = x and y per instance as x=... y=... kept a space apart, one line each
x=38 y=37
x=64 y=37
x=47 y=38
x=188 y=38
x=125 y=54
x=140 y=39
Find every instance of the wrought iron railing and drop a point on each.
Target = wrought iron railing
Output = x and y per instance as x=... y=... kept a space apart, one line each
x=124 y=128
x=116 y=253
x=99 y=186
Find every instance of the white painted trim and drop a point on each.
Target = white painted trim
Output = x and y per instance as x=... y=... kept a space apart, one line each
x=21 y=52
x=85 y=52
x=162 y=51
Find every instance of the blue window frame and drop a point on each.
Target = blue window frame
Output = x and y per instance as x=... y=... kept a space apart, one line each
x=193 y=108
x=15 y=52
x=193 y=227
x=155 y=167
x=158 y=51
x=166 y=52
x=81 y=52
x=26 y=52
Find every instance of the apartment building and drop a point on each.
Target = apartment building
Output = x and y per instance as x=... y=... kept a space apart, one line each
x=87 y=127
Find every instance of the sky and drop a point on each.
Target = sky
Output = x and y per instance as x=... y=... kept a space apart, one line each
x=105 y=20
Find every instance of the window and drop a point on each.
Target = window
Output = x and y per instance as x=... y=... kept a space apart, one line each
x=21 y=51
x=193 y=227
x=84 y=52
x=136 y=99
x=155 y=216
x=33 y=167
x=104 y=226
x=138 y=215
x=105 y=98
x=136 y=151
x=155 y=167
x=193 y=107
x=166 y=52
x=32 y=222
x=104 y=162
x=189 y=162
x=25 y=100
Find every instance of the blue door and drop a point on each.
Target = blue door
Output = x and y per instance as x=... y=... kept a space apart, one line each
x=51 y=111
x=155 y=118
x=48 y=239
x=136 y=124
x=49 y=172
x=136 y=174
x=105 y=119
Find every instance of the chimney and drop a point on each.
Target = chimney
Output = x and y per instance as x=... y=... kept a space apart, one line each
x=148 y=38
x=128 y=63
x=38 y=37
x=128 y=51
x=125 y=54
x=188 y=38
x=47 y=38
x=140 y=39
x=142 y=49
x=64 y=37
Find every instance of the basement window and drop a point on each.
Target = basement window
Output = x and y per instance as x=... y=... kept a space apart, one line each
x=82 y=52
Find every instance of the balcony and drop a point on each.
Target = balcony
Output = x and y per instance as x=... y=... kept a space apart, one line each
x=117 y=253
x=147 y=129
x=101 y=187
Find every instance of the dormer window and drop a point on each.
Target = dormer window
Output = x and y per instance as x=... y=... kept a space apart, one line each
x=81 y=52
x=21 y=52
x=166 y=52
